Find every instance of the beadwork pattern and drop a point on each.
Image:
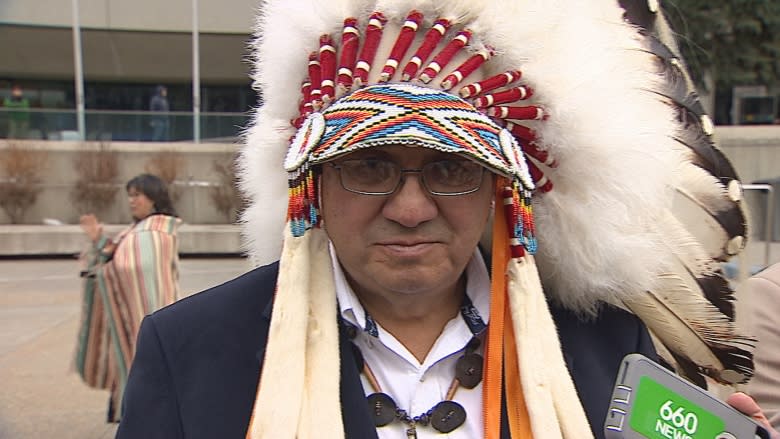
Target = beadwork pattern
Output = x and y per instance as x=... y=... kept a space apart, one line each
x=406 y=114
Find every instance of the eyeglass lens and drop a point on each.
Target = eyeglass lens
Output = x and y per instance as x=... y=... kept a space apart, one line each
x=382 y=177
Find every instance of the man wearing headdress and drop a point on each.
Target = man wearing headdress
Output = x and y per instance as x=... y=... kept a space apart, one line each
x=407 y=301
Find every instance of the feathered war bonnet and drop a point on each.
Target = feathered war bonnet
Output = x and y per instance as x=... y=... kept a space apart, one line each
x=573 y=107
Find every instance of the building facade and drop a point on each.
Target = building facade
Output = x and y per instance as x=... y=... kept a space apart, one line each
x=129 y=49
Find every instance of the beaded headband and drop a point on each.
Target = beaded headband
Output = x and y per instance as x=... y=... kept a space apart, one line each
x=407 y=114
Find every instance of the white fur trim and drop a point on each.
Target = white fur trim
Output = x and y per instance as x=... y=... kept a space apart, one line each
x=550 y=396
x=299 y=381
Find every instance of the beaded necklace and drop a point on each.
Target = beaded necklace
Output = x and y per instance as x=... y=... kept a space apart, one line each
x=446 y=415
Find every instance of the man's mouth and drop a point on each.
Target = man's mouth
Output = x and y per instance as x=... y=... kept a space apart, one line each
x=408 y=247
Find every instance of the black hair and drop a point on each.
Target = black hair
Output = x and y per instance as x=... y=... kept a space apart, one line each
x=156 y=190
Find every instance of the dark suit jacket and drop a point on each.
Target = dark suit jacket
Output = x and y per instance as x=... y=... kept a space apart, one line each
x=198 y=361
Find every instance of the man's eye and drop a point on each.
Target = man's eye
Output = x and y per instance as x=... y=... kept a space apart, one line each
x=453 y=172
x=370 y=169
x=372 y=165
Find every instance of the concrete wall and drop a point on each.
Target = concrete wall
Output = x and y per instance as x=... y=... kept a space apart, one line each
x=753 y=150
x=50 y=225
x=195 y=181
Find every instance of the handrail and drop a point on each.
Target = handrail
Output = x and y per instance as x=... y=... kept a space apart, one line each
x=33 y=110
x=120 y=125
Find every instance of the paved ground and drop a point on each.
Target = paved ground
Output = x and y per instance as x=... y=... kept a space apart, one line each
x=40 y=394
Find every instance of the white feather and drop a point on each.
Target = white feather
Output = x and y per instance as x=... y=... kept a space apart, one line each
x=264 y=181
x=660 y=311
x=688 y=250
x=704 y=227
x=602 y=246
x=703 y=188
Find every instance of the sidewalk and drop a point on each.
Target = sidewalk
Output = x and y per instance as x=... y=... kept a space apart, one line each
x=41 y=395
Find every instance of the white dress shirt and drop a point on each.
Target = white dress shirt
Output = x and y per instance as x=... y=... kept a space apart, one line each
x=417 y=387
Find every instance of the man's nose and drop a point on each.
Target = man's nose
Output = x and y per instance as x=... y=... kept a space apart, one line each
x=411 y=204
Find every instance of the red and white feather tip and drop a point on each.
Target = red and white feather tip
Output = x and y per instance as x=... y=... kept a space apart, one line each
x=343 y=64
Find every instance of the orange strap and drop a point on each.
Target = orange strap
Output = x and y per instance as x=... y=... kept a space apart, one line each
x=498 y=338
x=494 y=348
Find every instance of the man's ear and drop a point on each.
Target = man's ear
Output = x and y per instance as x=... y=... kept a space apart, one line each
x=486 y=241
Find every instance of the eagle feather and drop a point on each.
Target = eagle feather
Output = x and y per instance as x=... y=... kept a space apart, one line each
x=690 y=312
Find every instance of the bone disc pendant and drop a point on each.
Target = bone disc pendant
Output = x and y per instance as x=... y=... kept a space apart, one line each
x=382 y=408
x=447 y=416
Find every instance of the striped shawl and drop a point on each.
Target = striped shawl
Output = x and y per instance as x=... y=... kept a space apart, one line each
x=139 y=277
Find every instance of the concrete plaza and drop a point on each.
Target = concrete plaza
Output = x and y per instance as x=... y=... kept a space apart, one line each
x=40 y=393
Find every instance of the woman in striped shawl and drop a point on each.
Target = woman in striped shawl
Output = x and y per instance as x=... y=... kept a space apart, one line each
x=126 y=278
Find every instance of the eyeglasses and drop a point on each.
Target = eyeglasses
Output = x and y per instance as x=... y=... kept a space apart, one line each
x=382 y=177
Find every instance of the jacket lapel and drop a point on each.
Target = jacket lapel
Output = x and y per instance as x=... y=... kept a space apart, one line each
x=354 y=408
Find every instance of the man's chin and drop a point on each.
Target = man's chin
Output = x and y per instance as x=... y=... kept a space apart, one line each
x=413 y=281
